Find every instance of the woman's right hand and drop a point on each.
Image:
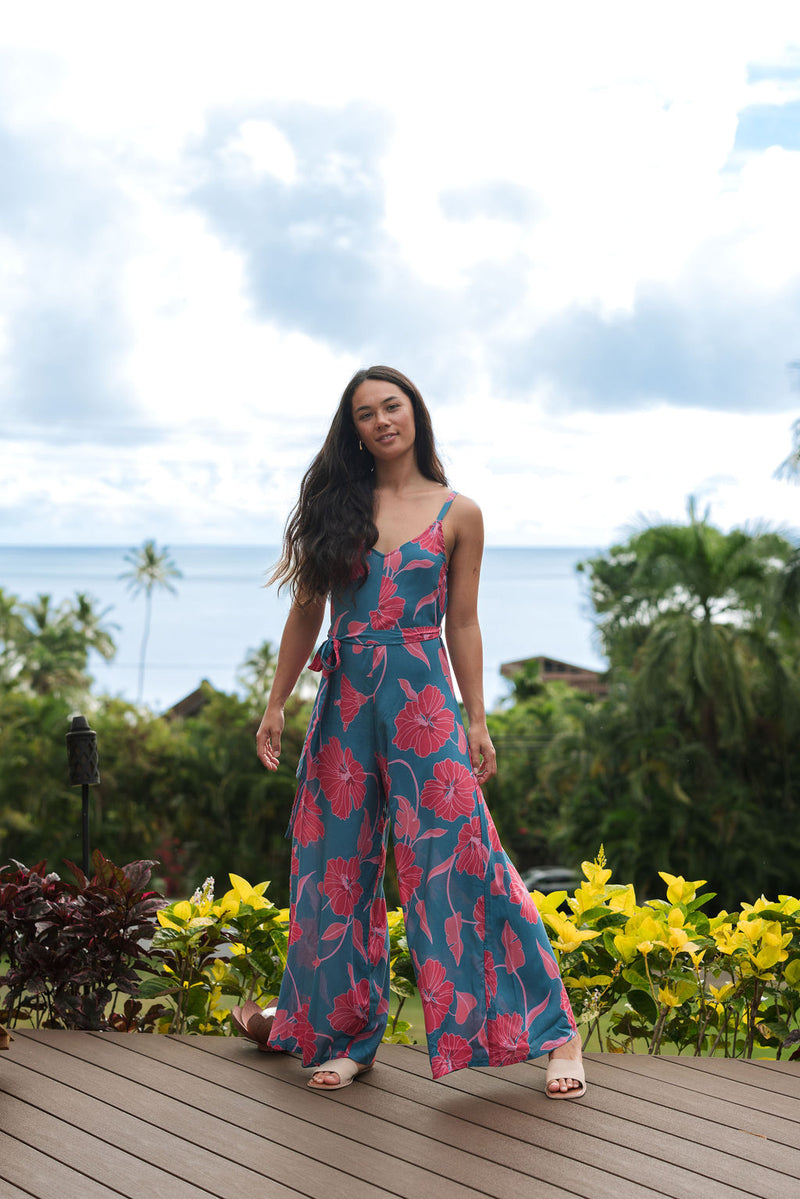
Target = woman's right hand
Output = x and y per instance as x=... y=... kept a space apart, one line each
x=268 y=737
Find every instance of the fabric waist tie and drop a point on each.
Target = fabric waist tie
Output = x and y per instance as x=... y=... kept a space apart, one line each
x=328 y=656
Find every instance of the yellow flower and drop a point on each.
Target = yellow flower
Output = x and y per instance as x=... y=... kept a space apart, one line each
x=622 y=899
x=627 y=946
x=253 y=896
x=678 y=889
x=722 y=993
x=597 y=876
x=569 y=937
x=548 y=903
x=728 y=939
x=678 y=942
x=645 y=947
x=668 y=997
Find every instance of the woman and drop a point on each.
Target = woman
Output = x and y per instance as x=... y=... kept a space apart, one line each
x=378 y=530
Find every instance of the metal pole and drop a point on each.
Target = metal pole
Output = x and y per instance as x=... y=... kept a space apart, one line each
x=85 y=826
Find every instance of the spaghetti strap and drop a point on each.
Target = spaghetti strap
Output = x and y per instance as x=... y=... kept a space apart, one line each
x=446 y=505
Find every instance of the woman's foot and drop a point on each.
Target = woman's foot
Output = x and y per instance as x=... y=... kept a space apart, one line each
x=565 y=1078
x=340 y=1074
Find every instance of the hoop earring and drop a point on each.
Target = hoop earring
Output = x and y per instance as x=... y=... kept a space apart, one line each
x=360 y=446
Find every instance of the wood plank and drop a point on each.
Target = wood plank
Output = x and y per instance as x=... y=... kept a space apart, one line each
x=43 y=1177
x=536 y=1147
x=755 y=1073
x=85 y=1152
x=222 y=1119
x=9 y=1191
x=712 y=1161
x=356 y=1113
x=237 y=1130
x=714 y=1084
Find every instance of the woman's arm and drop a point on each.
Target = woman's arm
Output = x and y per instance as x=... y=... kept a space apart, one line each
x=299 y=637
x=463 y=634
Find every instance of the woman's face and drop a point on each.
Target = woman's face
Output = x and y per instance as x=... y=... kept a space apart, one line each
x=383 y=416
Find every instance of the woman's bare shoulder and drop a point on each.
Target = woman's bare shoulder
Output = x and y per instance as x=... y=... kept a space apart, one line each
x=466 y=510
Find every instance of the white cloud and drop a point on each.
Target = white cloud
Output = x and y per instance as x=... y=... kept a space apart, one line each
x=613 y=122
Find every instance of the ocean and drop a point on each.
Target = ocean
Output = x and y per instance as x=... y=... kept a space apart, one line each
x=531 y=602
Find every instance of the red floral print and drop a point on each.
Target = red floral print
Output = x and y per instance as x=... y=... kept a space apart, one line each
x=515 y=955
x=341 y=778
x=451 y=791
x=341 y=885
x=390 y=606
x=351 y=702
x=479 y=916
x=472 y=856
x=436 y=991
x=424 y=723
x=508 y=1040
x=307 y=827
x=452 y=1053
x=406 y=822
x=377 y=949
x=521 y=896
x=490 y=976
x=431 y=539
x=351 y=1010
x=409 y=875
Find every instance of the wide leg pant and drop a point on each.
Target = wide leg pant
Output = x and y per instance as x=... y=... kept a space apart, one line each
x=489 y=982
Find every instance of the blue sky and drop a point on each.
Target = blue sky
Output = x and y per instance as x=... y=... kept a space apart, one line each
x=574 y=226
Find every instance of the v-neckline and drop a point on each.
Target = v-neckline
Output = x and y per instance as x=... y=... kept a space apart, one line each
x=411 y=540
x=437 y=520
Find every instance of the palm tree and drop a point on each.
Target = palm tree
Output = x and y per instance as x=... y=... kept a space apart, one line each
x=151 y=568
x=53 y=651
x=88 y=623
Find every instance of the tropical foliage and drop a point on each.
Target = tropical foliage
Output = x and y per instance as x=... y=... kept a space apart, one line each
x=663 y=975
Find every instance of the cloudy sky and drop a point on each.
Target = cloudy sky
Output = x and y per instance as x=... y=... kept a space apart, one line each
x=573 y=225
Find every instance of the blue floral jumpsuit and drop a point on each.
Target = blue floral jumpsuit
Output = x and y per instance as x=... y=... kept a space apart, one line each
x=386 y=746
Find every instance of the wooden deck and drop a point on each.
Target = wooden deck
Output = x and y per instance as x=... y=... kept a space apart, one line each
x=91 y=1115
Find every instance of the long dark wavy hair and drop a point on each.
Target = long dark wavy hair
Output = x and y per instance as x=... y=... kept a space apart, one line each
x=331 y=528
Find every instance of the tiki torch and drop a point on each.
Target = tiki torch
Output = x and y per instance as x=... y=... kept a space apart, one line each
x=83 y=772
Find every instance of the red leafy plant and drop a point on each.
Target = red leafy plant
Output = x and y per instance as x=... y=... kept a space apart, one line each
x=71 y=950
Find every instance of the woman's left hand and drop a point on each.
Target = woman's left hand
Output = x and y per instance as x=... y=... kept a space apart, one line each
x=481 y=753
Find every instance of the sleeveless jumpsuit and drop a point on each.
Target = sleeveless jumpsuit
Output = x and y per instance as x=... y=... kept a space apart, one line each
x=386 y=746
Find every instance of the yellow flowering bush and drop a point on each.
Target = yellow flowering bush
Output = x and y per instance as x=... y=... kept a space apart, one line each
x=665 y=972
x=640 y=976
x=213 y=954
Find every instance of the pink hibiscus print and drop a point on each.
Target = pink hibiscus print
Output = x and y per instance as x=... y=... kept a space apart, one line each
x=406 y=823
x=490 y=976
x=431 y=539
x=351 y=1010
x=452 y=1053
x=436 y=992
x=508 y=1040
x=376 y=945
x=350 y=703
x=341 y=885
x=451 y=792
x=304 y=1034
x=472 y=855
x=479 y=916
x=409 y=875
x=424 y=723
x=341 y=777
x=390 y=606
x=521 y=896
x=307 y=826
